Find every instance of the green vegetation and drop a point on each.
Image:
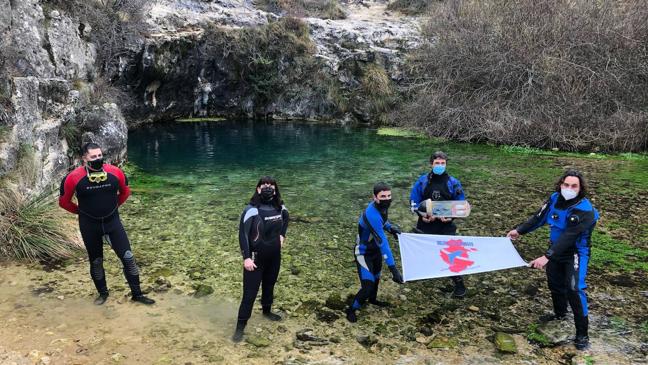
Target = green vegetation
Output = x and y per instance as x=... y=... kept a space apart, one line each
x=398 y=132
x=34 y=228
x=533 y=335
x=4 y=131
x=378 y=88
x=612 y=254
x=199 y=120
x=259 y=56
x=325 y=9
x=410 y=7
x=71 y=132
x=556 y=74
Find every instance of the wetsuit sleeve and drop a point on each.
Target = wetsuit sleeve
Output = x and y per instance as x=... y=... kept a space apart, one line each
x=124 y=190
x=458 y=190
x=537 y=220
x=245 y=227
x=285 y=217
x=376 y=223
x=416 y=195
x=577 y=223
x=66 y=193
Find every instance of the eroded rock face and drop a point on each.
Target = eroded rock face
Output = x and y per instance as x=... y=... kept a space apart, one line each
x=176 y=74
x=45 y=57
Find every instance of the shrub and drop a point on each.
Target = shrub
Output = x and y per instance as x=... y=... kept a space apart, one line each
x=34 y=229
x=410 y=7
x=325 y=9
x=555 y=73
x=116 y=24
x=266 y=58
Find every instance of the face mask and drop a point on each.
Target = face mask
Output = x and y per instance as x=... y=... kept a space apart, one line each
x=267 y=194
x=384 y=204
x=96 y=164
x=568 y=194
x=438 y=169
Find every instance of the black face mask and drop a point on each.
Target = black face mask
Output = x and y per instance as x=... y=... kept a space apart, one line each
x=267 y=194
x=96 y=164
x=383 y=204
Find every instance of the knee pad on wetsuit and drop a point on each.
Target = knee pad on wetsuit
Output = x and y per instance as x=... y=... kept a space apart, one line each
x=130 y=267
x=97 y=269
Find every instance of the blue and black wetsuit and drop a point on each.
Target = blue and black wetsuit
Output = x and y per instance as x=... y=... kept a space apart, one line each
x=259 y=233
x=371 y=248
x=571 y=222
x=437 y=188
x=98 y=218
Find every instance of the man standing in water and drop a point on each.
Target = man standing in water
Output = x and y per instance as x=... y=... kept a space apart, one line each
x=572 y=218
x=372 y=247
x=100 y=189
x=438 y=185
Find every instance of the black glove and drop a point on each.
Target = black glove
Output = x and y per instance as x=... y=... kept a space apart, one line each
x=395 y=230
x=396 y=275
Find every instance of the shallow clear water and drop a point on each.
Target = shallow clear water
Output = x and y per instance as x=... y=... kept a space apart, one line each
x=192 y=180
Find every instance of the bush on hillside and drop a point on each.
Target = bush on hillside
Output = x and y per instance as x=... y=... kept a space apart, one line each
x=566 y=74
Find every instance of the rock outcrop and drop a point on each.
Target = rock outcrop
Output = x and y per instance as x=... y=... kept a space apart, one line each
x=45 y=59
x=182 y=69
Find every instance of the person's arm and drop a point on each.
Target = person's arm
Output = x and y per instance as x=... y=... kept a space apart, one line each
x=66 y=191
x=577 y=223
x=537 y=220
x=416 y=195
x=124 y=189
x=245 y=227
x=458 y=190
x=376 y=222
x=285 y=218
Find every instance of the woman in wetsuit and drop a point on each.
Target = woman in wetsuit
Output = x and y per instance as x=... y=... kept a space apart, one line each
x=262 y=231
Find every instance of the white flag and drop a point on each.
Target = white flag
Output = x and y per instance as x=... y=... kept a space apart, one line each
x=426 y=256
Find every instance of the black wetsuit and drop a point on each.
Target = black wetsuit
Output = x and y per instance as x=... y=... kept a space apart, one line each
x=437 y=188
x=259 y=233
x=98 y=218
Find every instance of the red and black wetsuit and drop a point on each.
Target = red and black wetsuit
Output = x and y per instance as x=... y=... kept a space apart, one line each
x=98 y=218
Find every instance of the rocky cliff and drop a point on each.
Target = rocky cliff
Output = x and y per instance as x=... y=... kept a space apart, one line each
x=229 y=58
x=46 y=91
x=195 y=58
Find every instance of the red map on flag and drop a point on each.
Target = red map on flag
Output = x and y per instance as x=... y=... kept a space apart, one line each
x=456 y=255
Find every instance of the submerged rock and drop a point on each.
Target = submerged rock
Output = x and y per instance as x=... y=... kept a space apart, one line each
x=505 y=343
x=367 y=340
x=556 y=332
x=203 y=290
x=335 y=302
x=257 y=341
x=325 y=315
x=442 y=343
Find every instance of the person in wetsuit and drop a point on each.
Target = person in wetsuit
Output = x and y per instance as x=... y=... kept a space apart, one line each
x=438 y=185
x=372 y=247
x=262 y=231
x=571 y=218
x=100 y=189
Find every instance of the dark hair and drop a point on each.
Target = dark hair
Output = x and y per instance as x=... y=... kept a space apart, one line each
x=581 y=180
x=255 y=200
x=89 y=146
x=438 y=155
x=380 y=186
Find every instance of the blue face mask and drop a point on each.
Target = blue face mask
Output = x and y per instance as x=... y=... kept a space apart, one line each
x=438 y=169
